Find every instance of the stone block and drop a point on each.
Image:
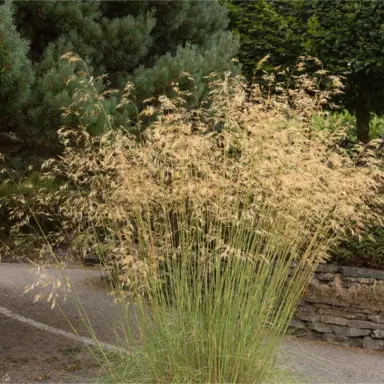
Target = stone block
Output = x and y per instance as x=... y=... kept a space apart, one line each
x=332 y=338
x=356 y=316
x=378 y=334
x=315 y=283
x=306 y=334
x=319 y=327
x=377 y=318
x=350 y=279
x=362 y=273
x=306 y=309
x=355 y=342
x=376 y=344
x=364 y=324
x=325 y=300
x=297 y=324
x=342 y=313
x=327 y=268
x=330 y=311
x=308 y=316
x=360 y=310
x=350 y=332
x=328 y=277
x=334 y=320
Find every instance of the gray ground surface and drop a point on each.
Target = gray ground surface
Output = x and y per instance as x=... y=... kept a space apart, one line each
x=28 y=354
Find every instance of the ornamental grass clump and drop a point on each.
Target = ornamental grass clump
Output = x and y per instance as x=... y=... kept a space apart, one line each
x=209 y=219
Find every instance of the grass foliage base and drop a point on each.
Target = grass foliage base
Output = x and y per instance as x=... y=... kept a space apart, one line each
x=216 y=309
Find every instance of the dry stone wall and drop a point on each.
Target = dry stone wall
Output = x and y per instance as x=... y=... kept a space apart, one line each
x=343 y=305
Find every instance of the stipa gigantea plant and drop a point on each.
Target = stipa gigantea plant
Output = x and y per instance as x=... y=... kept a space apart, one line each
x=178 y=217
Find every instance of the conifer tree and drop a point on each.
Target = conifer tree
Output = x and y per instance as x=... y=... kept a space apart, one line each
x=150 y=43
x=16 y=73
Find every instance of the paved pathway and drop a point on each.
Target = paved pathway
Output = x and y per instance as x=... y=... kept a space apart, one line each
x=38 y=344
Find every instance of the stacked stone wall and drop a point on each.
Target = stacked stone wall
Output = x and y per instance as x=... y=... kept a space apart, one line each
x=343 y=305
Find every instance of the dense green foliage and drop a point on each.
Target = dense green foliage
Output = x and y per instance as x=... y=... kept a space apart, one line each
x=150 y=43
x=15 y=68
x=347 y=36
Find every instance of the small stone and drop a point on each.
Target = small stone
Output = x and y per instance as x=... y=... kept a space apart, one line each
x=364 y=324
x=325 y=276
x=314 y=282
x=362 y=272
x=306 y=309
x=308 y=316
x=325 y=300
x=331 y=338
x=378 y=318
x=333 y=320
x=319 y=327
x=342 y=313
x=350 y=332
x=356 y=316
x=327 y=268
x=360 y=309
x=350 y=279
x=355 y=342
x=330 y=311
x=306 y=334
x=367 y=280
x=297 y=324
x=369 y=343
x=378 y=334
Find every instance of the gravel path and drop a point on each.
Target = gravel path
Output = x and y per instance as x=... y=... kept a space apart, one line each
x=29 y=353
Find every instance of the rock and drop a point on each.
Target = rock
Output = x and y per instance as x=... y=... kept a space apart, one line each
x=306 y=334
x=378 y=318
x=327 y=268
x=306 y=309
x=364 y=324
x=378 y=334
x=350 y=332
x=322 y=305
x=297 y=324
x=325 y=276
x=314 y=282
x=330 y=311
x=355 y=342
x=331 y=338
x=367 y=280
x=356 y=316
x=341 y=313
x=333 y=320
x=308 y=316
x=350 y=279
x=319 y=327
x=369 y=343
x=360 y=309
x=362 y=272
x=325 y=300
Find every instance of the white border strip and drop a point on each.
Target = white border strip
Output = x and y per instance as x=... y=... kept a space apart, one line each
x=82 y=339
